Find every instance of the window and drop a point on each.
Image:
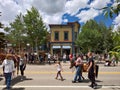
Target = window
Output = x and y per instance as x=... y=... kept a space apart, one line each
x=65 y=35
x=56 y=36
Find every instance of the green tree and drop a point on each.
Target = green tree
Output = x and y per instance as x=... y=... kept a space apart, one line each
x=95 y=37
x=16 y=32
x=112 y=10
x=116 y=37
x=36 y=29
x=28 y=28
x=116 y=42
x=2 y=40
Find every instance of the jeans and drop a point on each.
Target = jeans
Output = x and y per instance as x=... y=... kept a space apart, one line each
x=8 y=79
x=78 y=74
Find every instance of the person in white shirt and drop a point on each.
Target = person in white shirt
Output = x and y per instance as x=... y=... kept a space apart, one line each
x=23 y=62
x=8 y=69
x=64 y=57
x=59 y=69
x=49 y=57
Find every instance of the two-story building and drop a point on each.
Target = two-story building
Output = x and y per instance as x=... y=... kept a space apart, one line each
x=63 y=38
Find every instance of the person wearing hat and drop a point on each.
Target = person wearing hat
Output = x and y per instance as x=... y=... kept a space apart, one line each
x=8 y=65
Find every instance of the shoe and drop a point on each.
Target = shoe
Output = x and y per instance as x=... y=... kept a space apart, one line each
x=94 y=87
x=62 y=79
x=73 y=81
x=79 y=81
x=21 y=79
x=91 y=85
x=95 y=84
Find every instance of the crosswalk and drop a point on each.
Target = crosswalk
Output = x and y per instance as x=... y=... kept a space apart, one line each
x=45 y=86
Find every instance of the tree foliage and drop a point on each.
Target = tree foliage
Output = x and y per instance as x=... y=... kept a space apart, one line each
x=112 y=10
x=2 y=40
x=95 y=37
x=36 y=29
x=28 y=28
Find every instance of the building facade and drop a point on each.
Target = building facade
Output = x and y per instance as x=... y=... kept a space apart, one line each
x=63 y=38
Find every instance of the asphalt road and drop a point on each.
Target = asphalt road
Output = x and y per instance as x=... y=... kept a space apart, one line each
x=42 y=77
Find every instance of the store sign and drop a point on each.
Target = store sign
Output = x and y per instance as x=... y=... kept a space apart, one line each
x=56 y=47
x=66 y=47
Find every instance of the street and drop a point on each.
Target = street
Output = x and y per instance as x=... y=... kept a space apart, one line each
x=43 y=77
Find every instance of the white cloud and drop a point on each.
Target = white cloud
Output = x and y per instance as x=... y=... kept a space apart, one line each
x=65 y=20
x=98 y=4
x=51 y=10
x=49 y=7
x=73 y=6
x=53 y=19
x=116 y=22
x=10 y=9
x=88 y=14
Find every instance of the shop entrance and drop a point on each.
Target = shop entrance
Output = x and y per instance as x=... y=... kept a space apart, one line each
x=67 y=52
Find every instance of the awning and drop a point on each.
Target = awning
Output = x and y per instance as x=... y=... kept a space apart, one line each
x=56 y=47
x=66 y=47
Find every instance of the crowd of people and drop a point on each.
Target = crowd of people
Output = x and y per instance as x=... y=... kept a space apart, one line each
x=8 y=65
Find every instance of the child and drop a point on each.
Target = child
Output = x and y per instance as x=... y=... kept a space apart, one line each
x=59 y=69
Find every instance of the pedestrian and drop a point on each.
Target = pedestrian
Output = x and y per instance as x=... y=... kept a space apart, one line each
x=91 y=70
x=49 y=58
x=59 y=69
x=71 y=57
x=78 y=74
x=8 y=65
x=64 y=57
x=23 y=61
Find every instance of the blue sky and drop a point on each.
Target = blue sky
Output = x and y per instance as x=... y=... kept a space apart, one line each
x=59 y=11
x=100 y=18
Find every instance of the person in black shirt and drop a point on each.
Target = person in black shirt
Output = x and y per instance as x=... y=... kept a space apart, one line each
x=91 y=70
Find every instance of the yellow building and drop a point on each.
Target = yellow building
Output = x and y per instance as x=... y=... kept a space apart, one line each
x=63 y=38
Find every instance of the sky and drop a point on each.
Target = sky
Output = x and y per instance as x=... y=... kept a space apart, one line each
x=58 y=11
